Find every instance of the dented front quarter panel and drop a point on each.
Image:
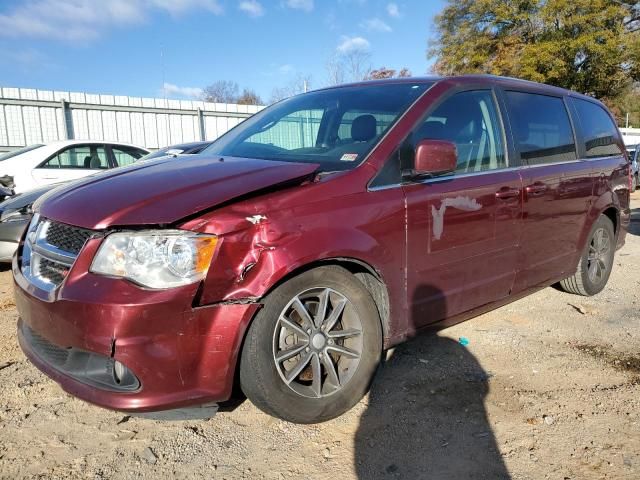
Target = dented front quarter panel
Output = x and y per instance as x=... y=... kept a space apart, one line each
x=263 y=241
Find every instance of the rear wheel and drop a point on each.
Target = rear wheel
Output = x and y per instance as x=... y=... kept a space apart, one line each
x=311 y=352
x=595 y=263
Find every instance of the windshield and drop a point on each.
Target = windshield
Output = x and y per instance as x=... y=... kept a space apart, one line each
x=335 y=128
x=20 y=151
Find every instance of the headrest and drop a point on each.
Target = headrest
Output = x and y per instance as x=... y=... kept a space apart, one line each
x=363 y=128
x=432 y=130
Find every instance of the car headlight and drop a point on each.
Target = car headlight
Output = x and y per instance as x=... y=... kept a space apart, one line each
x=156 y=258
x=16 y=215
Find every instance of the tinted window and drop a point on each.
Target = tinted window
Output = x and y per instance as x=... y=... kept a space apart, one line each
x=470 y=120
x=598 y=129
x=91 y=157
x=541 y=128
x=335 y=128
x=126 y=156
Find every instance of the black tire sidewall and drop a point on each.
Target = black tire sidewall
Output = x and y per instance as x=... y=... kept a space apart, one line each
x=589 y=286
x=259 y=378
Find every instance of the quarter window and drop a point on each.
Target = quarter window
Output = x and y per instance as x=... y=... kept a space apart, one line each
x=541 y=128
x=90 y=157
x=600 y=133
x=471 y=121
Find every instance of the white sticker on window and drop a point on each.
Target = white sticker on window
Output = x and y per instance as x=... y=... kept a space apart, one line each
x=349 y=157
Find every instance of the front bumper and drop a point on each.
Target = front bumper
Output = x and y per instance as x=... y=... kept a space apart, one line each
x=181 y=355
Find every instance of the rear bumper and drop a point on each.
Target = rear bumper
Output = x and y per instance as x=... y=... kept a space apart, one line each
x=181 y=356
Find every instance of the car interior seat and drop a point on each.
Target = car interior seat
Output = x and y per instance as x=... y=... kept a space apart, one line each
x=364 y=128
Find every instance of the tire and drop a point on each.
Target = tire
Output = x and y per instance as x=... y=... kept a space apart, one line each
x=595 y=263
x=275 y=381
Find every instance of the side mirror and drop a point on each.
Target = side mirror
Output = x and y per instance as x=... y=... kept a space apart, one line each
x=435 y=157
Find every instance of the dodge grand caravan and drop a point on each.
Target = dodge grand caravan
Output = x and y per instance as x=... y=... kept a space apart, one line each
x=325 y=229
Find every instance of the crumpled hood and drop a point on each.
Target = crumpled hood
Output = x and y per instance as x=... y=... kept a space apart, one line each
x=164 y=191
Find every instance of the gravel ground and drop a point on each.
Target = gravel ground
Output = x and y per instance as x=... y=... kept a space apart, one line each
x=548 y=387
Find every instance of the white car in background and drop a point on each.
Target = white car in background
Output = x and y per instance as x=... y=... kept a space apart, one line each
x=55 y=162
x=634 y=154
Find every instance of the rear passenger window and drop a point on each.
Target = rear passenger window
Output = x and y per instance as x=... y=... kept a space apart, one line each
x=541 y=128
x=599 y=131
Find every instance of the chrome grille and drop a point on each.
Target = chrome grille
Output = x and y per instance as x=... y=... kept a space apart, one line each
x=49 y=251
x=67 y=238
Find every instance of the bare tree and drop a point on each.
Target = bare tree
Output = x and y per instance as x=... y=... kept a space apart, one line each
x=357 y=64
x=222 y=91
x=405 y=73
x=249 y=97
x=351 y=66
x=300 y=84
x=335 y=70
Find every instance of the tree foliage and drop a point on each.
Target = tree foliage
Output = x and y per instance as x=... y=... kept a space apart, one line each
x=590 y=46
x=249 y=97
x=384 y=72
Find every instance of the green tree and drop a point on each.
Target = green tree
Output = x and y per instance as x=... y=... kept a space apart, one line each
x=586 y=45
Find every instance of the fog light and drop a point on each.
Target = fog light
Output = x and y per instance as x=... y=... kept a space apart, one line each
x=119 y=371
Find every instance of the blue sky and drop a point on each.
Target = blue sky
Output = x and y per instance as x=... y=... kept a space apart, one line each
x=130 y=47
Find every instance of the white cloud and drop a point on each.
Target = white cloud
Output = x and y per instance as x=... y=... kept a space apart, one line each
x=286 y=69
x=352 y=44
x=180 y=6
x=376 y=25
x=306 y=5
x=253 y=8
x=393 y=10
x=174 y=90
x=82 y=20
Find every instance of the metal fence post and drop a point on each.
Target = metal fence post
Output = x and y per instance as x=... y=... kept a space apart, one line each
x=67 y=120
x=203 y=136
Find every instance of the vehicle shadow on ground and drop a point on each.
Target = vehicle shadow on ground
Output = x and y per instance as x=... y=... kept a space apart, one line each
x=634 y=227
x=426 y=417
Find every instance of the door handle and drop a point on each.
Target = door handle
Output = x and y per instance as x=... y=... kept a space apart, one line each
x=506 y=193
x=536 y=190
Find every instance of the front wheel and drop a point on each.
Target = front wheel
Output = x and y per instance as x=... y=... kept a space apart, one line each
x=595 y=263
x=312 y=350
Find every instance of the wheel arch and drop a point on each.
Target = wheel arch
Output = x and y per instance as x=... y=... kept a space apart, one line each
x=369 y=276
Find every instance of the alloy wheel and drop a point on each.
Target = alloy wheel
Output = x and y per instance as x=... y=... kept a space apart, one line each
x=317 y=342
x=599 y=256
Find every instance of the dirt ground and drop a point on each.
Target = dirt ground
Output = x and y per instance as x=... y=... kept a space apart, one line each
x=548 y=387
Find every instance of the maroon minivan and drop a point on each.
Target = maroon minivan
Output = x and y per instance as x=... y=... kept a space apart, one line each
x=315 y=235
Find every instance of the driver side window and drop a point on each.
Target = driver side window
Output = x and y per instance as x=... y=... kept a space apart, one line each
x=295 y=131
x=469 y=120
